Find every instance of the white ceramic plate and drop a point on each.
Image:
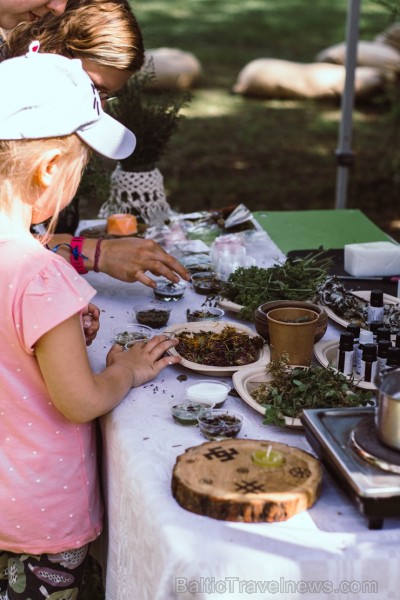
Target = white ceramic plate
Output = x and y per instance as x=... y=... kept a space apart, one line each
x=364 y=295
x=229 y=306
x=246 y=380
x=216 y=326
x=326 y=353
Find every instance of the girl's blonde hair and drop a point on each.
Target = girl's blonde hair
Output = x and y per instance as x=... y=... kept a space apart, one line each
x=19 y=163
x=104 y=31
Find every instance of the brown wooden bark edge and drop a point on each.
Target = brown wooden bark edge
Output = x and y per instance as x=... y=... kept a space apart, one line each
x=219 y=480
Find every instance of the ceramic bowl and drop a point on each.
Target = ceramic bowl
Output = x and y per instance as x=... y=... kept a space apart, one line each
x=261 y=321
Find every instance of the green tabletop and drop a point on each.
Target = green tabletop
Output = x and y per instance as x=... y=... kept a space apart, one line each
x=310 y=229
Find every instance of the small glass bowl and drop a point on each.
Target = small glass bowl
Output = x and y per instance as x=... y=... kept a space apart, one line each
x=208 y=390
x=186 y=412
x=217 y=425
x=124 y=334
x=168 y=291
x=204 y=314
x=206 y=282
x=152 y=315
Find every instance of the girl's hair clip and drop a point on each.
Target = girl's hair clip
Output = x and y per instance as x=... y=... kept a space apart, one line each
x=34 y=47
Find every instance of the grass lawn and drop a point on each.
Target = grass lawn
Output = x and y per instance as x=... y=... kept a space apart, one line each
x=267 y=154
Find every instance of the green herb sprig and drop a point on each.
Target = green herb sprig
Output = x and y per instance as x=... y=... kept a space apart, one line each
x=291 y=390
x=295 y=279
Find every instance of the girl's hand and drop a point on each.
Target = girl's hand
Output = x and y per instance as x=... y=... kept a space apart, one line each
x=144 y=359
x=91 y=322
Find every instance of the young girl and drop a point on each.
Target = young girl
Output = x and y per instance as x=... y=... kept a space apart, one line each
x=49 y=396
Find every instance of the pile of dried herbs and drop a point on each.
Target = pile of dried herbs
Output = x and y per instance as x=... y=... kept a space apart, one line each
x=228 y=348
x=296 y=279
x=291 y=390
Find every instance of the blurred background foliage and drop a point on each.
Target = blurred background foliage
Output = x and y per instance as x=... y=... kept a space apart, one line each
x=268 y=154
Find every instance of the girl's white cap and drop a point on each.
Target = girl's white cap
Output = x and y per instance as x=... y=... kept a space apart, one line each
x=47 y=95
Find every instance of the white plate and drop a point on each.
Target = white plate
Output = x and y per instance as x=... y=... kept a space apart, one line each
x=326 y=353
x=216 y=326
x=246 y=380
x=364 y=295
x=229 y=306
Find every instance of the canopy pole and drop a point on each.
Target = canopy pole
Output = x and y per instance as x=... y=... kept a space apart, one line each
x=344 y=153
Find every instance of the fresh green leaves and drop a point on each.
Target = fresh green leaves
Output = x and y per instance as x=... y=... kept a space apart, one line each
x=293 y=389
x=296 y=279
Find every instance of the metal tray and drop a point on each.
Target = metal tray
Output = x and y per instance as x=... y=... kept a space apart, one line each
x=375 y=492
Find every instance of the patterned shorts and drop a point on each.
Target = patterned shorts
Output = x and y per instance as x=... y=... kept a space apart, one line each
x=45 y=576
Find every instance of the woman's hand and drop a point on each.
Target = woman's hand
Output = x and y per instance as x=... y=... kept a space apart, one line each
x=128 y=259
x=91 y=323
x=144 y=359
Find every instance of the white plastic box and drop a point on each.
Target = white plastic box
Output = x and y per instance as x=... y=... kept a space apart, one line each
x=372 y=259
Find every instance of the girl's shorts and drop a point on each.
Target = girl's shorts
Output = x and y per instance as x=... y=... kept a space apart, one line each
x=36 y=577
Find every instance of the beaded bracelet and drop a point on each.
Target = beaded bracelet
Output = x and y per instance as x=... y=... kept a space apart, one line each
x=97 y=255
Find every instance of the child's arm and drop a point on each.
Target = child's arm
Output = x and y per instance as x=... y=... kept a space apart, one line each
x=82 y=395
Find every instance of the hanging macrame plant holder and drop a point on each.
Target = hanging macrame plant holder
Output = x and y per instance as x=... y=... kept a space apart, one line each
x=139 y=193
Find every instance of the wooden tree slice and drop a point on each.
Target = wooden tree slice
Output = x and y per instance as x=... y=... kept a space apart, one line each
x=220 y=480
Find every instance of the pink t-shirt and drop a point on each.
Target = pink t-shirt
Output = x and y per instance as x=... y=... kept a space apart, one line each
x=49 y=492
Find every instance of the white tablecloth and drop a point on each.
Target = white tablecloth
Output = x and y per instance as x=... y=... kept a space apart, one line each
x=159 y=551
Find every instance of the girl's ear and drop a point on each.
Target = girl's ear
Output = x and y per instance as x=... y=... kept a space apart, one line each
x=48 y=168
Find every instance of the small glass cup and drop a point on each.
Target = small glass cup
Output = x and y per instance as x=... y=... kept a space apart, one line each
x=206 y=282
x=207 y=390
x=217 y=425
x=168 y=291
x=152 y=315
x=186 y=412
x=127 y=333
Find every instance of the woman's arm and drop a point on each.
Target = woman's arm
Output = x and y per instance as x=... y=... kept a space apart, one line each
x=126 y=259
x=78 y=393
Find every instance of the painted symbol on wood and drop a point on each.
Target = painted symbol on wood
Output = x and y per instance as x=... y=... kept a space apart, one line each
x=300 y=472
x=221 y=454
x=250 y=487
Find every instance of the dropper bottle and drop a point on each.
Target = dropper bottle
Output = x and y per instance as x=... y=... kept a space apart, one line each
x=366 y=337
x=345 y=353
x=375 y=307
x=393 y=357
x=383 y=347
x=355 y=330
x=369 y=363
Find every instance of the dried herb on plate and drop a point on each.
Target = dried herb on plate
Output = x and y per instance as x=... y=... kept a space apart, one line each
x=228 y=348
x=332 y=293
x=296 y=279
x=294 y=389
x=346 y=305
